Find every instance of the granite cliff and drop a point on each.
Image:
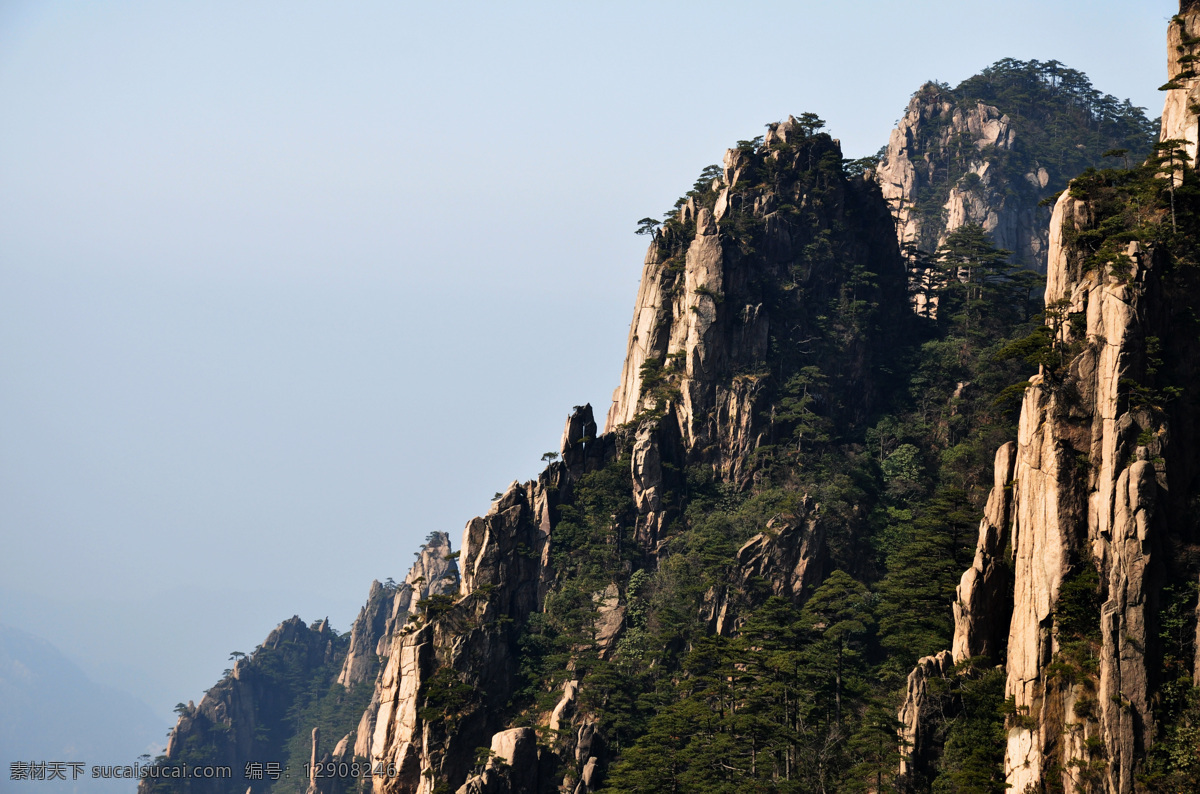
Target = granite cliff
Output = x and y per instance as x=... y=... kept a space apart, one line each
x=726 y=587
x=1089 y=541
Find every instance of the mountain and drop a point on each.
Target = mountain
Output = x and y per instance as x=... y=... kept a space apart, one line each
x=768 y=571
x=51 y=711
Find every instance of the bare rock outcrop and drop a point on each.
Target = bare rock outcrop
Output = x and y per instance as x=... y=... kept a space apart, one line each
x=386 y=613
x=511 y=768
x=695 y=385
x=926 y=150
x=1178 y=119
x=682 y=323
x=563 y=710
x=787 y=560
x=361 y=665
x=590 y=748
x=610 y=618
x=983 y=605
x=915 y=713
x=325 y=771
x=467 y=643
x=582 y=450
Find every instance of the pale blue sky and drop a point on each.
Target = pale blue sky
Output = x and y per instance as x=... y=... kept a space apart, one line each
x=286 y=286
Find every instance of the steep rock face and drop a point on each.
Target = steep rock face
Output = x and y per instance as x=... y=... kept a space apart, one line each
x=713 y=311
x=991 y=150
x=676 y=318
x=387 y=611
x=915 y=713
x=943 y=148
x=461 y=658
x=361 y=665
x=1178 y=118
x=435 y=572
x=610 y=618
x=983 y=605
x=1099 y=514
x=1076 y=496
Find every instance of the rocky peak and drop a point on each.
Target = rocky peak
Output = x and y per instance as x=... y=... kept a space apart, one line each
x=368 y=628
x=388 y=608
x=698 y=366
x=990 y=152
x=242 y=718
x=583 y=449
x=952 y=151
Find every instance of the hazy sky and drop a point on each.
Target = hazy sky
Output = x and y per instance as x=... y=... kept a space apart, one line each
x=284 y=287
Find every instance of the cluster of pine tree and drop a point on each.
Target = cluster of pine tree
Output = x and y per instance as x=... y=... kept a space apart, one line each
x=1061 y=116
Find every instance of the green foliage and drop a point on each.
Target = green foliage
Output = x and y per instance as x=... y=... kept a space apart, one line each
x=974 y=738
x=444 y=699
x=798 y=407
x=648 y=226
x=759 y=711
x=660 y=383
x=1077 y=611
x=983 y=292
x=435 y=605
x=1174 y=763
x=923 y=569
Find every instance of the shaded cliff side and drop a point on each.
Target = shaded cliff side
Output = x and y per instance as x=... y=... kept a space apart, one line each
x=250 y=715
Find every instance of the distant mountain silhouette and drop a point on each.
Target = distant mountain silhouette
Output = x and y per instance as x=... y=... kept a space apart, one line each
x=51 y=711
